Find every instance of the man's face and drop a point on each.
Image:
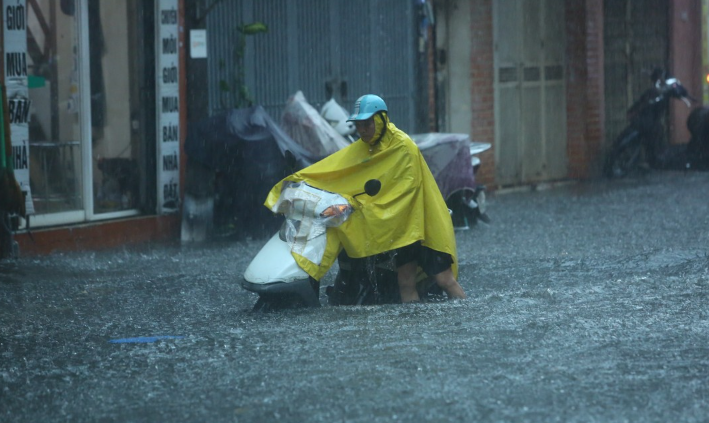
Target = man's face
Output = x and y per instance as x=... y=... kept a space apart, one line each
x=365 y=129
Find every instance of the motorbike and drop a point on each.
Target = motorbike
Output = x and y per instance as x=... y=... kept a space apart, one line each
x=476 y=201
x=640 y=141
x=374 y=281
x=336 y=116
x=273 y=273
x=695 y=154
x=454 y=162
x=281 y=283
x=468 y=202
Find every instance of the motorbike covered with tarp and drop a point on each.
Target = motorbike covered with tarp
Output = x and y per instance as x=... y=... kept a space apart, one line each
x=453 y=163
x=233 y=159
x=309 y=129
x=448 y=156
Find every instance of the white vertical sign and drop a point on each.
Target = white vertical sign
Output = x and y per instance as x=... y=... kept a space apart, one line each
x=168 y=107
x=18 y=102
x=198 y=43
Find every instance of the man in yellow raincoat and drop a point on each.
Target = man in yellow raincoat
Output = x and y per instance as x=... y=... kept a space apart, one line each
x=408 y=215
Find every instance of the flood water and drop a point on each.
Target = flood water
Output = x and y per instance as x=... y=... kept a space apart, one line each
x=587 y=302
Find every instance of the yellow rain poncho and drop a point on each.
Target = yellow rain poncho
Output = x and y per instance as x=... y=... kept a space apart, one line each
x=408 y=208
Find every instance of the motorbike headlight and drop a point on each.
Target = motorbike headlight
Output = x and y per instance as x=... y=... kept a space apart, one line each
x=336 y=210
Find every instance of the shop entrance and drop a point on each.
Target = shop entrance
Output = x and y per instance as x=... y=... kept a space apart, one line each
x=91 y=88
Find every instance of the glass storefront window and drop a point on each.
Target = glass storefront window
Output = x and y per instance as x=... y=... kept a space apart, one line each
x=114 y=143
x=91 y=91
x=54 y=125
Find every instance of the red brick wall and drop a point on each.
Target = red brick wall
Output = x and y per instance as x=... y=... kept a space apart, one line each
x=584 y=87
x=483 y=91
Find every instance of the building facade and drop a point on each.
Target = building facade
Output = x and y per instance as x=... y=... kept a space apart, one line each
x=548 y=82
x=102 y=92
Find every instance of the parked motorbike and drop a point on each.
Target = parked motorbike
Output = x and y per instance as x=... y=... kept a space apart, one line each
x=476 y=201
x=337 y=116
x=454 y=162
x=642 y=140
x=468 y=203
x=695 y=154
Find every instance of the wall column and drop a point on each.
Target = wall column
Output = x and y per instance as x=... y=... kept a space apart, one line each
x=585 y=87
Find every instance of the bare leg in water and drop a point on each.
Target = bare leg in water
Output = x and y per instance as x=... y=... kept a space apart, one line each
x=407 y=283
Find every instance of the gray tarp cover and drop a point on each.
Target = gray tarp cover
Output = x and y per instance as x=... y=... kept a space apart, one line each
x=448 y=157
x=242 y=151
x=215 y=141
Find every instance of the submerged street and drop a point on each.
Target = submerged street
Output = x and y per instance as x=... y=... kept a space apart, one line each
x=586 y=302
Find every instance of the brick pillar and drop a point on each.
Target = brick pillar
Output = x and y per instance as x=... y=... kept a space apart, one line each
x=483 y=91
x=584 y=87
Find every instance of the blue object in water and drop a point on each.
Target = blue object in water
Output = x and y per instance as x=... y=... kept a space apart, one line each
x=143 y=339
